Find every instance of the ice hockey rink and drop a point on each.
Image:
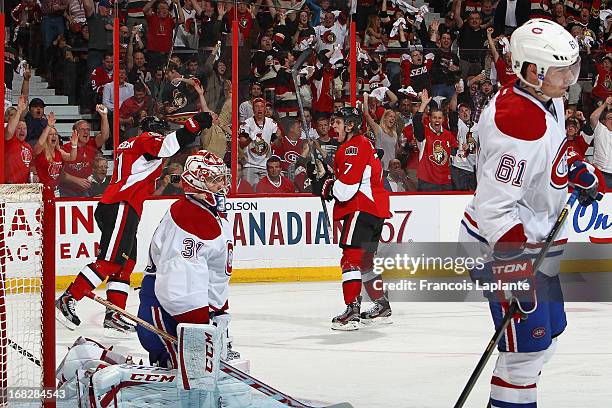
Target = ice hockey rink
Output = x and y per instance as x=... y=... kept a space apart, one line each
x=423 y=359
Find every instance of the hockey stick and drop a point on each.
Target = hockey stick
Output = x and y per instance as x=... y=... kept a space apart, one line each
x=24 y=352
x=226 y=368
x=294 y=74
x=513 y=309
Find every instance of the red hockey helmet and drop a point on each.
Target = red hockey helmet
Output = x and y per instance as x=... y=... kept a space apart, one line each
x=206 y=174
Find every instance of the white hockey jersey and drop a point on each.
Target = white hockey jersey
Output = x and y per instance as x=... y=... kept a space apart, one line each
x=522 y=173
x=258 y=151
x=191 y=258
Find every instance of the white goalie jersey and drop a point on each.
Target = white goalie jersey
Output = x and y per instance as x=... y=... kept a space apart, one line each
x=191 y=258
x=522 y=173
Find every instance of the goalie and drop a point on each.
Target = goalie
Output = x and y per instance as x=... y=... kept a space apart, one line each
x=190 y=260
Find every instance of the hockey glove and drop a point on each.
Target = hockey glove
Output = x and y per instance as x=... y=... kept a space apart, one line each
x=512 y=271
x=322 y=180
x=583 y=177
x=198 y=122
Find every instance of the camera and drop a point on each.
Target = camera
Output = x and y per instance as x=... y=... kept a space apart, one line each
x=175 y=178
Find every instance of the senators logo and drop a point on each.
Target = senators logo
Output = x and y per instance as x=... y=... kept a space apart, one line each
x=439 y=156
x=179 y=99
x=243 y=22
x=329 y=37
x=259 y=146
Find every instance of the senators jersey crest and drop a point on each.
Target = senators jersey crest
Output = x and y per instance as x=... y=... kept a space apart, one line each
x=329 y=37
x=439 y=155
x=259 y=146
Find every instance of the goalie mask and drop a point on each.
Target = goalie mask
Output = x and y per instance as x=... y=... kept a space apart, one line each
x=207 y=176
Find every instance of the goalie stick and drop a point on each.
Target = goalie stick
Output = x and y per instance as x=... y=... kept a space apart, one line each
x=24 y=352
x=226 y=368
x=513 y=309
x=294 y=74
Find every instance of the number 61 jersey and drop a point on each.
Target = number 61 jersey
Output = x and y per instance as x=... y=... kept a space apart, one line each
x=521 y=173
x=191 y=257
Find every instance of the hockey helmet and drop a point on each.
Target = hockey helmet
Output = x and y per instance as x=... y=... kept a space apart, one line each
x=154 y=124
x=351 y=115
x=545 y=44
x=203 y=169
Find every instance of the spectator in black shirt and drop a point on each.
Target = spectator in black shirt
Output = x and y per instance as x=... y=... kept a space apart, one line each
x=445 y=69
x=472 y=40
x=505 y=24
x=35 y=120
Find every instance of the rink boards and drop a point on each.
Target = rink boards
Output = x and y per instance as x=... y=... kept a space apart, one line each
x=286 y=238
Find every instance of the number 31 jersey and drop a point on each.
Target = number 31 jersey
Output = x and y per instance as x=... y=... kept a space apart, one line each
x=521 y=172
x=191 y=258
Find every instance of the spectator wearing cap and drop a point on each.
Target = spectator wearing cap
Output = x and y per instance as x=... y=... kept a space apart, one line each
x=471 y=41
x=463 y=161
x=17 y=152
x=274 y=181
x=444 y=69
x=245 y=110
x=35 y=120
x=100 y=25
x=161 y=25
x=576 y=130
x=99 y=177
x=601 y=122
x=75 y=180
x=510 y=14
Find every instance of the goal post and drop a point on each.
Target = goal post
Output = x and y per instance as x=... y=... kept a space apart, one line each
x=27 y=290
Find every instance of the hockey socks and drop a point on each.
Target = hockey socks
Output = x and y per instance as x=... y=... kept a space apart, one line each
x=90 y=277
x=351 y=273
x=506 y=395
x=119 y=285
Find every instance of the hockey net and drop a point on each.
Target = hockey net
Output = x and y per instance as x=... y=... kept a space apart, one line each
x=27 y=291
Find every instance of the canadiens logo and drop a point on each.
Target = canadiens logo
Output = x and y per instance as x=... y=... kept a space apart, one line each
x=230 y=258
x=538 y=332
x=438 y=155
x=558 y=176
x=291 y=157
x=351 y=151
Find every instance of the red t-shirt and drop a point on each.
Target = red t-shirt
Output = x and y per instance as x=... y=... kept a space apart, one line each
x=49 y=171
x=81 y=166
x=434 y=160
x=603 y=84
x=18 y=156
x=577 y=145
x=266 y=186
x=159 y=34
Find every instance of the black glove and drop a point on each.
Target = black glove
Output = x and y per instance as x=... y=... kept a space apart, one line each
x=198 y=122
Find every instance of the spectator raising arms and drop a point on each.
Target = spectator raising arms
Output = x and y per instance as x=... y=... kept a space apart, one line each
x=436 y=145
x=49 y=158
x=17 y=152
x=76 y=176
x=602 y=139
x=385 y=133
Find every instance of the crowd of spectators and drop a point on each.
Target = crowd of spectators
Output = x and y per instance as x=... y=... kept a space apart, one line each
x=422 y=82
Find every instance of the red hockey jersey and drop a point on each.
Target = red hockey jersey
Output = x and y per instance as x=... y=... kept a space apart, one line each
x=137 y=166
x=359 y=180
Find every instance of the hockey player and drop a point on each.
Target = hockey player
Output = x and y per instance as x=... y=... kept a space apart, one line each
x=523 y=181
x=138 y=165
x=362 y=204
x=190 y=259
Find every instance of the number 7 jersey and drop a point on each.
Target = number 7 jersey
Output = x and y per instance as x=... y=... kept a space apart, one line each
x=359 y=180
x=522 y=169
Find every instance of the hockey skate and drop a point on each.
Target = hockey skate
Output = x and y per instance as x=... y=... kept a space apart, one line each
x=116 y=326
x=349 y=320
x=65 y=313
x=379 y=313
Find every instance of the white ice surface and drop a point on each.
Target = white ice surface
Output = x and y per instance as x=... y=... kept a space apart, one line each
x=422 y=360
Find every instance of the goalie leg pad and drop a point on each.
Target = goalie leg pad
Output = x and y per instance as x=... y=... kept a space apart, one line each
x=199 y=347
x=161 y=351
